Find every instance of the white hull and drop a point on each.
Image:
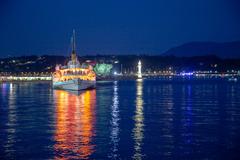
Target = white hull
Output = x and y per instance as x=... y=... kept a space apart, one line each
x=75 y=85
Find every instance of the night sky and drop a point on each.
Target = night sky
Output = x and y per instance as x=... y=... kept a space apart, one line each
x=37 y=27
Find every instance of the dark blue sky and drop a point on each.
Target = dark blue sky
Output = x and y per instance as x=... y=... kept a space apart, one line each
x=39 y=27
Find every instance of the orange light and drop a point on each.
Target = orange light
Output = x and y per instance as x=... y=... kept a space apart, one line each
x=62 y=75
x=75 y=124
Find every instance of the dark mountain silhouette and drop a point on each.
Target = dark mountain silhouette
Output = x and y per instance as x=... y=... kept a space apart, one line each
x=223 y=50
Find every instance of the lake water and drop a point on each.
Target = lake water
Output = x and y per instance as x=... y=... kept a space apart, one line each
x=146 y=119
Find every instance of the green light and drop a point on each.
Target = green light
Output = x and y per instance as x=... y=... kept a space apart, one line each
x=102 y=69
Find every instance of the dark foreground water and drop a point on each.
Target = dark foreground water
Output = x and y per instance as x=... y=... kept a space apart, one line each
x=121 y=120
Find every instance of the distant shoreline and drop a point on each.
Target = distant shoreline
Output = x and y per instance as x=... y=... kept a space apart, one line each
x=158 y=78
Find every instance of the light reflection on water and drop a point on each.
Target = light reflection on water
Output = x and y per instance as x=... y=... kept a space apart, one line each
x=75 y=124
x=120 y=120
x=138 y=130
x=12 y=119
x=115 y=123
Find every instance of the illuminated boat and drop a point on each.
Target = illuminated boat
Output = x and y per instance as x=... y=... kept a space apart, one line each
x=74 y=76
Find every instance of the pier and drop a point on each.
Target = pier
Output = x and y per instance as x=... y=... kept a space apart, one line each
x=25 y=78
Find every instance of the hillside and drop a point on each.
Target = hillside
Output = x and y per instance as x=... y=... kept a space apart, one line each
x=223 y=50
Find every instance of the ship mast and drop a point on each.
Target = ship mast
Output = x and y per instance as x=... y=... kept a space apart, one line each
x=74 y=55
x=73 y=42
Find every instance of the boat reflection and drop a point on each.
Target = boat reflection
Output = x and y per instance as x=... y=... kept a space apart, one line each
x=75 y=124
x=139 y=122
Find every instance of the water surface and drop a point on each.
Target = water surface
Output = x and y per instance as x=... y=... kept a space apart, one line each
x=146 y=119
